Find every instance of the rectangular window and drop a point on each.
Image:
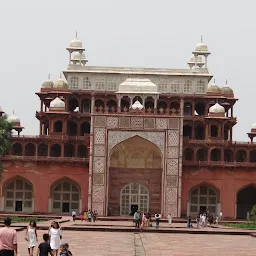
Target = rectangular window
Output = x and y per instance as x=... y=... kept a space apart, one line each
x=100 y=83
x=112 y=85
x=74 y=83
x=175 y=87
x=187 y=87
x=87 y=84
x=200 y=87
x=163 y=86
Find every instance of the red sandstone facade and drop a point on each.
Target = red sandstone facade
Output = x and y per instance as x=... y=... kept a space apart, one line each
x=173 y=150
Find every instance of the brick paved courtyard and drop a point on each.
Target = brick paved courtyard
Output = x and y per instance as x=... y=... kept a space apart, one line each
x=128 y=244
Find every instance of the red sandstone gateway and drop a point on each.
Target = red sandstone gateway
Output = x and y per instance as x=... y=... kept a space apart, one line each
x=117 y=140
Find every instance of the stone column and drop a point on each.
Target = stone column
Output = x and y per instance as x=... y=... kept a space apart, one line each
x=119 y=98
x=155 y=103
x=91 y=154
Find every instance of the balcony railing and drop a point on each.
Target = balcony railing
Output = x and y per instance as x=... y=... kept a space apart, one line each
x=218 y=163
x=218 y=141
x=51 y=137
x=46 y=159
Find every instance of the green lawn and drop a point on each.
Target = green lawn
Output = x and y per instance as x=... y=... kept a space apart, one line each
x=18 y=219
x=249 y=225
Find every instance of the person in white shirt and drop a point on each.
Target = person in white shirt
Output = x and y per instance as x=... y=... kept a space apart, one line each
x=204 y=220
x=74 y=215
x=217 y=220
x=169 y=217
x=221 y=215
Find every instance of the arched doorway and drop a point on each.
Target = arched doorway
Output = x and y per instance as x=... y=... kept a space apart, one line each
x=18 y=196
x=65 y=197
x=134 y=197
x=137 y=162
x=246 y=199
x=202 y=199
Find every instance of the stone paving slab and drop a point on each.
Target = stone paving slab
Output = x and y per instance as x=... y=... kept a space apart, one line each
x=150 y=244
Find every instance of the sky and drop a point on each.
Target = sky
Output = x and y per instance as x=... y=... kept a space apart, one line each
x=135 y=33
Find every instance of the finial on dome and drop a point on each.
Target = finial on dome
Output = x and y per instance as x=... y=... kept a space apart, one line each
x=13 y=112
x=201 y=38
x=49 y=76
x=76 y=34
x=226 y=81
x=214 y=81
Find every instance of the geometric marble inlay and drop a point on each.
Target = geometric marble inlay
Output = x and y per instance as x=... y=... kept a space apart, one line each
x=98 y=193
x=149 y=123
x=99 y=150
x=173 y=152
x=171 y=195
x=173 y=137
x=99 y=165
x=99 y=136
x=171 y=209
x=172 y=167
x=112 y=122
x=161 y=123
x=137 y=122
x=100 y=121
x=174 y=123
x=172 y=181
x=124 y=122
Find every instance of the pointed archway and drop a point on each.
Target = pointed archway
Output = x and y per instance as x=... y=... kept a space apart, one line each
x=245 y=200
x=135 y=167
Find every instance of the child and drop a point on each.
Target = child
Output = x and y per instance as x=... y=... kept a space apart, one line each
x=63 y=251
x=44 y=248
x=67 y=249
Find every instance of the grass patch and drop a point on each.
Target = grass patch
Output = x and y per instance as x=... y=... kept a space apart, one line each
x=18 y=219
x=248 y=225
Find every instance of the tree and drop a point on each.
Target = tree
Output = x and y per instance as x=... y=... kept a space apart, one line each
x=5 y=138
x=253 y=213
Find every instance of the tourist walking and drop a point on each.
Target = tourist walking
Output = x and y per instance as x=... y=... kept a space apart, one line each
x=221 y=213
x=189 y=225
x=94 y=216
x=8 y=239
x=85 y=216
x=31 y=237
x=204 y=220
x=169 y=217
x=217 y=220
x=198 y=218
x=55 y=237
x=143 y=222
x=74 y=215
x=44 y=248
x=136 y=218
x=89 y=216
x=157 y=217
x=210 y=219
x=82 y=216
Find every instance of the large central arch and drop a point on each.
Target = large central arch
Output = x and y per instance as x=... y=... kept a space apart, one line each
x=135 y=162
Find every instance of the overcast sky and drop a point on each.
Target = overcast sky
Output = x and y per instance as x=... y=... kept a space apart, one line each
x=137 y=33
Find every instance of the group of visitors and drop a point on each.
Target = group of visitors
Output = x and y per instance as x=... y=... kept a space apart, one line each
x=51 y=241
x=204 y=218
x=143 y=221
x=89 y=216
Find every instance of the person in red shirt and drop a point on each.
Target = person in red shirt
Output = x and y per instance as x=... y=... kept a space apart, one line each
x=8 y=239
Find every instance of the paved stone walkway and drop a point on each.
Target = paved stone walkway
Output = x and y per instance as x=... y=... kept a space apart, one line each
x=93 y=243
